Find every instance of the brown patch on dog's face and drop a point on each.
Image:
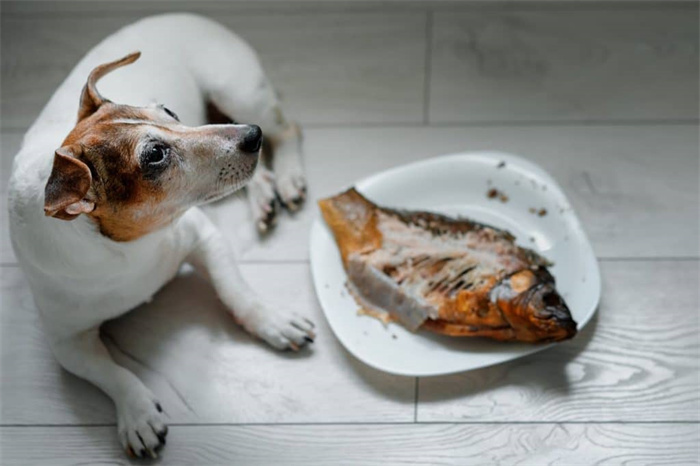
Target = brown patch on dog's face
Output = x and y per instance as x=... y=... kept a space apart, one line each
x=147 y=168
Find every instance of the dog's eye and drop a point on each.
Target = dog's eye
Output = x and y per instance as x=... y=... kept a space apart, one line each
x=171 y=113
x=156 y=154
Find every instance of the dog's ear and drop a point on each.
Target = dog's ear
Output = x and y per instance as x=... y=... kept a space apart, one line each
x=90 y=99
x=69 y=183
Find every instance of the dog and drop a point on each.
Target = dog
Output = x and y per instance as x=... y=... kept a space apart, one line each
x=103 y=211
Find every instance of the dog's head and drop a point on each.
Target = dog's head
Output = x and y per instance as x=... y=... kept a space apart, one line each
x=136 y=169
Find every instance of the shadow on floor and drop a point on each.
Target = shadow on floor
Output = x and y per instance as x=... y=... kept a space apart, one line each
x=545 y=371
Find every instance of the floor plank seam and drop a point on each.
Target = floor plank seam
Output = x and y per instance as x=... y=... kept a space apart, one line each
x=474 y=124
x=415 y=400
x=370 y=423
x=365 y=8
x=565 y=123
x=428 y=66
x=508 y=123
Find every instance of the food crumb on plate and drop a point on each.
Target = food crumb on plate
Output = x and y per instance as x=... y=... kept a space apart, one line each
x=494 y=193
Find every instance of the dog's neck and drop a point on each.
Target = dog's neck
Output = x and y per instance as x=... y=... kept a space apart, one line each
x=131 y=227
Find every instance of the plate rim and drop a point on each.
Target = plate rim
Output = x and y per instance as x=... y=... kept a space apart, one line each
x=318 y=226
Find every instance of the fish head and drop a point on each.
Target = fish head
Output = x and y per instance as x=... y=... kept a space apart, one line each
x=531 y=304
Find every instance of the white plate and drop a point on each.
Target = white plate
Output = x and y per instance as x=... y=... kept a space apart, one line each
x=457 y=185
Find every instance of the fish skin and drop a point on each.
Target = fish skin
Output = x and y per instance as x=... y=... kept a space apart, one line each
x=452 y=276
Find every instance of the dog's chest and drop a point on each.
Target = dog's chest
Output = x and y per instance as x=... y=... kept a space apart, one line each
x=118 y=277
x=145 y=265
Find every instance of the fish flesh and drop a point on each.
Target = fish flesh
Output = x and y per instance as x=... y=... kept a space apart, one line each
x=452 y=276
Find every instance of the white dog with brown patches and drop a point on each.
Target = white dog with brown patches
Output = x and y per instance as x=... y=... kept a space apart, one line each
x=103 y=211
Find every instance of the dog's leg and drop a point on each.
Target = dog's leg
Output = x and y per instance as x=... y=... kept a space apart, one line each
x=214 y=259
x=248 y=97
x=139 y=416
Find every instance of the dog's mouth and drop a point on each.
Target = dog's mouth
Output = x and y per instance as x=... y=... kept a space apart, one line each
x=231 y=178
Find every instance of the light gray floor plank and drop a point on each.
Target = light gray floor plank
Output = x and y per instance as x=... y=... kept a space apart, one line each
x=618 y=179
x=537 y=445
x=342 y=68
x=570 y=64
x=328 y=68
x=637 y=361
x=38 y=53
x=214 y=7
x=198 y=362
x=9 y=145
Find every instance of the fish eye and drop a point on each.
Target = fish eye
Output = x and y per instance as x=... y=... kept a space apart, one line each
x=551 y=299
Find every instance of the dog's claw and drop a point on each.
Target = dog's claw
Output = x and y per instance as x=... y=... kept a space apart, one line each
x=269 y=221
x=261 y=196
x=140 y=425
x=161 y=436
x=284 y=334
x=294 y=204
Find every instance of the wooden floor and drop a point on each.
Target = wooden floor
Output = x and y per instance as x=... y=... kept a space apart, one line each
x=603 y=96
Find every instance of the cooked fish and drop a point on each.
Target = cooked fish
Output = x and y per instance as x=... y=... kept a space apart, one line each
x=451 y=276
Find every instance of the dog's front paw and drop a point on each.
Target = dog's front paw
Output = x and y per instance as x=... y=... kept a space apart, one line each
x=291 y=187
x=261 y=197
x=140 y=425
x=285 y=330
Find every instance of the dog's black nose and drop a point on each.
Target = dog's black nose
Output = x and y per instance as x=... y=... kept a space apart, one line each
x=252 y=140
